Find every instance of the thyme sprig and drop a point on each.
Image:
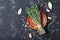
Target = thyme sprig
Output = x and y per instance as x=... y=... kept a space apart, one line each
x=34 y=13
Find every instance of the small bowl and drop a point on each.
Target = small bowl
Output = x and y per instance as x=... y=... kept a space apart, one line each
x=33 y=25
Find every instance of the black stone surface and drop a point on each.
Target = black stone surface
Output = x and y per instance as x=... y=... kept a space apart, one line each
x=11 y=24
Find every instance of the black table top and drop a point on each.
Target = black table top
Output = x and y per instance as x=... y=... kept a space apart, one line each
x=11 y=24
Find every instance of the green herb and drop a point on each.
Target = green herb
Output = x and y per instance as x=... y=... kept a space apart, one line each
x=34 y=13
x=50 y=24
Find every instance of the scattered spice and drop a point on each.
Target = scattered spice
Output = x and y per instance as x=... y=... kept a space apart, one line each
x=22 y=24
x=52 y=31
x=50 y=23
x=25 y=25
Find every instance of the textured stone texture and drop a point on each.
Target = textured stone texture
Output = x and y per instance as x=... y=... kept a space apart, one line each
x=11 y=24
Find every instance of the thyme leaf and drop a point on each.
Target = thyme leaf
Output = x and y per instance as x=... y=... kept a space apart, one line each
x=34 y=13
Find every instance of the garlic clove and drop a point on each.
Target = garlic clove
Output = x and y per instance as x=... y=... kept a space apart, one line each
x=30 y=35
x=19 y=11
x=47 y=10
x=49 y=17
x=50 y=5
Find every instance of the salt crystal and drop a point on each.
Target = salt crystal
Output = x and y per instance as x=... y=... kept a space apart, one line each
x=27 y=22
x=22 y=24
x=25 y=25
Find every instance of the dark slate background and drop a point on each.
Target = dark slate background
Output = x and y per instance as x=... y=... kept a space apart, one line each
x=11 y=24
